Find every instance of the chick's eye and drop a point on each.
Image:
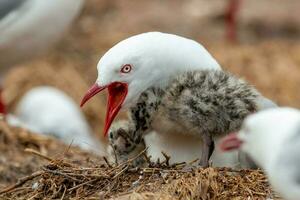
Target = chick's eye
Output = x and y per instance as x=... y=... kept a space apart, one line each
x=126 y=68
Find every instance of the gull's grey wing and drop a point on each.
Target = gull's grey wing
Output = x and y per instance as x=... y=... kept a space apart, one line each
x=7 y=6
x=265 y=103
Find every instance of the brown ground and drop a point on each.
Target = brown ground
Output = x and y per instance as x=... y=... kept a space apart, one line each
x=268 y=56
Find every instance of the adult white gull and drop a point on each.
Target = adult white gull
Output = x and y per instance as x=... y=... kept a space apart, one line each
x=144 y=61
x=272 y=139
x=49 y=111
x=29 y=27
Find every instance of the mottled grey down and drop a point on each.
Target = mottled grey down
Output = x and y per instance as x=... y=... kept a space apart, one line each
x=7 y=6
x=204 y=103
x=209 y=102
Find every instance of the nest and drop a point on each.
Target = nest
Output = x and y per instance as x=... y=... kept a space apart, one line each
x=71 y=173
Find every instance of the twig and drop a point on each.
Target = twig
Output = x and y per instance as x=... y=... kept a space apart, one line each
x=27 y=150
x=84 y=169
x=81 y=184
x=131 y=159
x=167 y=161
x=6 y=128
x=194 y=161
x=21 y=181
x=178 y=165
x=88 y=175
x=69 y=147
x=106 y=161
x=147 y=158
x=158 y=161
x=61 y=173
x=34 y=196
x=63 y=195
x=152 y=170
x=137 y=156
x=120 y=172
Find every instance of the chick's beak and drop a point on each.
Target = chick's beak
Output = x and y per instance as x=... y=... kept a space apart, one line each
x=117 y=93
x=231 y=142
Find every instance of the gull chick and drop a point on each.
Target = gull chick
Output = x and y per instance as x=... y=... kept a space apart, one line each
x=272 y=139
x=205 y=104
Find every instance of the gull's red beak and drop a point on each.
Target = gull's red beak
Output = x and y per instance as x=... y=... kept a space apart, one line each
x=117 y=93
x=231 y=142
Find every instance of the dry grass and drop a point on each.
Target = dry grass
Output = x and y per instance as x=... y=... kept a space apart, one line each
x=72 y=173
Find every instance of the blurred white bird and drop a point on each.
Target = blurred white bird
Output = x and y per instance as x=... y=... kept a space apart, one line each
x=148 y=60
x=272 y=139
x=29 y=27
x=49 y=111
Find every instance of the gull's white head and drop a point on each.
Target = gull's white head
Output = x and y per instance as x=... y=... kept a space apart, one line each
x=143 y=61
x=264 y=133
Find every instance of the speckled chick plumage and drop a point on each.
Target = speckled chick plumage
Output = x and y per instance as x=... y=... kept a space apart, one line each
x=204 y=103
x=122 y=144
x=208 y=102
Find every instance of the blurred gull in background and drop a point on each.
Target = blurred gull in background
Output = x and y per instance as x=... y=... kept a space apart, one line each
x=272 y=139
x=49 y=111
x=29 y=27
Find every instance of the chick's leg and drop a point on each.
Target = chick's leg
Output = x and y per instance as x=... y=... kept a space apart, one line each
x=207 y=150
x=124 y=144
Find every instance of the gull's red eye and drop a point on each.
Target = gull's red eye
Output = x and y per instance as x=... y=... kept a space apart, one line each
x=126 y=68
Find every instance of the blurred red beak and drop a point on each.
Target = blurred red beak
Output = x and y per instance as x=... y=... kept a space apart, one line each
x=231 y=142
x=117 y=93
x=2 y=105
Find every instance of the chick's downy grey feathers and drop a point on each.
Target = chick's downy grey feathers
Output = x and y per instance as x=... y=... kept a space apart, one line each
x=208 y=102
